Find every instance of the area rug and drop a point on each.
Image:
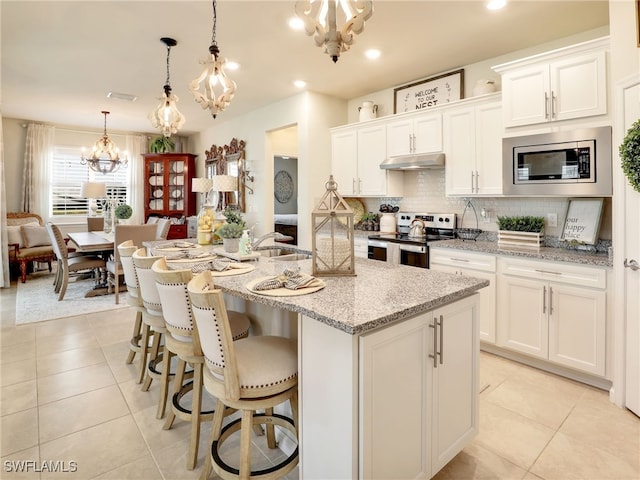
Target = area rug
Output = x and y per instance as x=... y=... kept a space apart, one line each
x=36 y=301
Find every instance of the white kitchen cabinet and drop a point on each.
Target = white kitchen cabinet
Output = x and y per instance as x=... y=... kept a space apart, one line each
x=474 y=265
x=357 y=152
x=561 y=85
x=360 y=246
x=473 y=148
x=421 y=374
x=553 y=311
x=416 y=134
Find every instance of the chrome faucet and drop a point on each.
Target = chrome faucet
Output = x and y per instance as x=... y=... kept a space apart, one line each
x=266 y=236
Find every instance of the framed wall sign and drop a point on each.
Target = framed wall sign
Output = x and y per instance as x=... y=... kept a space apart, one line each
x=583 y=220
x=431 y=92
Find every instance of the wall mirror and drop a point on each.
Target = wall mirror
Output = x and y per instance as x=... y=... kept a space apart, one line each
x=228 y=160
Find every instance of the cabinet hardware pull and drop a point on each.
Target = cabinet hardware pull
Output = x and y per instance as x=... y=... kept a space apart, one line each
x=553 y=105
x=434 y=325
x=353 y=185
x=549 y=272
x=441 y=339
x=477 y=182
x=472 y=181
x=632 y=264
x=546 y=105
x=544 y=299
x=458 y=259
x=410 y=144
x=550 y=300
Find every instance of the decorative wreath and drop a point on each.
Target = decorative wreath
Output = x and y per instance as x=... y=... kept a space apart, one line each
x=283 y=186
x=630 y=154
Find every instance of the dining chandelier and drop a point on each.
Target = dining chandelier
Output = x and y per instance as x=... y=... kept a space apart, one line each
x=166 y=116
x=105 y=156
x=213 y=78
x=321 y=18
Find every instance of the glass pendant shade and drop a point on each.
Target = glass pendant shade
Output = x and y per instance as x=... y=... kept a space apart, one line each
x=105 y=156
x=334 y=23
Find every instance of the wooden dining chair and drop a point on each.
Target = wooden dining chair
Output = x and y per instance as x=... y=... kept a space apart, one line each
x=68 y=264
x=162 y=225
x=136 y=233
x=95 y=224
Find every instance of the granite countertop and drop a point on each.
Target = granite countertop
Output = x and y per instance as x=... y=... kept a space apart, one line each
x=545 y=253
x=379 y=293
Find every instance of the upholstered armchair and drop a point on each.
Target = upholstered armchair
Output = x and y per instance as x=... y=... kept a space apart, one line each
x=28 y=241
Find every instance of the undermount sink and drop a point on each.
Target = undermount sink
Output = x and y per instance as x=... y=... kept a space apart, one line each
x=283 y=255
x=291 y=257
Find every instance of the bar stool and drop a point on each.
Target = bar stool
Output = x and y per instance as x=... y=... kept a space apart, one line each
x=250 y=374
x=152 y=321
x=126 y=250
x=181 y=339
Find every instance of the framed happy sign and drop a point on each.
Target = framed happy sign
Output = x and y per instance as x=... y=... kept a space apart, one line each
x=583 y=220
x=431 y=92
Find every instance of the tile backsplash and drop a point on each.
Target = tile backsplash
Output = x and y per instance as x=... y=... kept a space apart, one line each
x=424 y=191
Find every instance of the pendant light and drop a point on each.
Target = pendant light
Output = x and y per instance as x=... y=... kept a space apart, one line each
x=213 y=78
x=166 y=116
x=321 y=18
x=105 y=156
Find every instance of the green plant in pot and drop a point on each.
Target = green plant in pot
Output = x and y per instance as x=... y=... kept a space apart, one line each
x=230 y=234
x=123 y=212
x=521 y=224
x=162 y=145
x=234 y=216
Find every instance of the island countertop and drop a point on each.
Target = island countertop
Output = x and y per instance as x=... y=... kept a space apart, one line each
x=378 y=295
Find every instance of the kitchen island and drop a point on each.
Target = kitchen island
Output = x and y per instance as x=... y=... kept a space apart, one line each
x=388 y=366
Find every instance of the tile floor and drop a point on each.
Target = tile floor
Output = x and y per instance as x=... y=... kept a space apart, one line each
x=66 y=393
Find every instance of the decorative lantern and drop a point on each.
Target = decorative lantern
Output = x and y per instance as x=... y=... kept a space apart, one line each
x=332 y=241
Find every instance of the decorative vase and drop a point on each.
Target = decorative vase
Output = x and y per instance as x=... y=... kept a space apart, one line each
x=231 y=245
x=368 y=111
x=206 y=218
x=109 y=221
x=482 y=87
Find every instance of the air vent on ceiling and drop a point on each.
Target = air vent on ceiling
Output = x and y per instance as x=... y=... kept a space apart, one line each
x=122 y=96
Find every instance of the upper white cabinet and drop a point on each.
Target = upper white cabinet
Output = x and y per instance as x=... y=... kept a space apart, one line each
x=473 y=147
x=357 y=152
x=561 y=85
x=416 y=134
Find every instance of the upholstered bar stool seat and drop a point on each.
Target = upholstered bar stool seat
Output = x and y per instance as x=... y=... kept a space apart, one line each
x=181 y=339
x=251 y=374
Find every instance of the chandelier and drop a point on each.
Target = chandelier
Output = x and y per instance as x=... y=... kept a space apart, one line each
x=166 y=116
x=321 y=18
x=213 y=78
x=105 y=156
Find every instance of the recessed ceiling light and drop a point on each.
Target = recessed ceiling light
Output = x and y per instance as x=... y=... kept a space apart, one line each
x=296 y=23
x=232 y=65
x=372 y=54
x=496 y=4
x=122 y=96
x=300 y=83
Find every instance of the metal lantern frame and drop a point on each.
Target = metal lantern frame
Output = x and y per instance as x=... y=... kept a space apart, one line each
x=332 y=248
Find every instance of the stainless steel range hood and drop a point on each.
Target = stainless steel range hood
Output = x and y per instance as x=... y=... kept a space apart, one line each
x=414 y=162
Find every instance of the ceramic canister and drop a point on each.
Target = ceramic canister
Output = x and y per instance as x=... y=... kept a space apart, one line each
x=388 y=223
x=368 y=111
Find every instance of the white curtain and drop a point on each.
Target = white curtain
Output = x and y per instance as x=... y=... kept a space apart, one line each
x=136 y=145
x=5 y=280
x=38 y=155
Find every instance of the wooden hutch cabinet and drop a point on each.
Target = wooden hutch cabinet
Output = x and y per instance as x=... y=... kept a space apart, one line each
x=167 y=188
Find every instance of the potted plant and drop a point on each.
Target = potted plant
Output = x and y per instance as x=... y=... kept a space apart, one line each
x=123 y=212
x=162 y=145
x=521 y=231
x=234 y=216
x=230 y=234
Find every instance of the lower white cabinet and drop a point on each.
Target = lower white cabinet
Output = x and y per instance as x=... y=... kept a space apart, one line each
x=553 y=311
x=421 y=375
x=360 y=246
x=474 y=265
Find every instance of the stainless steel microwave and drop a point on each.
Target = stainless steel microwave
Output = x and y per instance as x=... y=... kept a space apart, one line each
x=575 y=162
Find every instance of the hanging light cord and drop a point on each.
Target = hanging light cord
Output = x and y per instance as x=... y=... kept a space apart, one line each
x=167 y=85
x=213 y=49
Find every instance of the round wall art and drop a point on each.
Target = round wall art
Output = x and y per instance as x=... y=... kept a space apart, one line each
x=283 y=186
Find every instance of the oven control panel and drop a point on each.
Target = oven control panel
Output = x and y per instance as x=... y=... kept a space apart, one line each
x=431 y=220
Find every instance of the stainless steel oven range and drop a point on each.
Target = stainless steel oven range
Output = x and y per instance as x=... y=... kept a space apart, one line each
x=410 y=245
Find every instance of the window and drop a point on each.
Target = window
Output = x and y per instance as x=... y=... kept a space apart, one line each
x=66 y=178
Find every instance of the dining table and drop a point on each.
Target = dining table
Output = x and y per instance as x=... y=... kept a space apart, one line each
x=97 y=242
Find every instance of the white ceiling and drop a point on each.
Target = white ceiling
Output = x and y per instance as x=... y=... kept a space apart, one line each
x=60 y=59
